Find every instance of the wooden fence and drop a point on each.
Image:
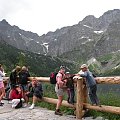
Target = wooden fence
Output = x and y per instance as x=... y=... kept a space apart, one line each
x=82 y=97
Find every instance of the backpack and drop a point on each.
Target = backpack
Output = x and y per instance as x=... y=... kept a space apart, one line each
x=13 y=77
x=23 y=77
x=53 y=77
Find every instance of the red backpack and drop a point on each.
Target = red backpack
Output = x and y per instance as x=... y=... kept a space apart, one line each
x=53 y=77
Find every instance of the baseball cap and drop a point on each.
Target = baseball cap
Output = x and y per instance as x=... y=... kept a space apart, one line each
x=62 y=67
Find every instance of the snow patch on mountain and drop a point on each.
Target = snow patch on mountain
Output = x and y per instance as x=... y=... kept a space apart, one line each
x=89 y=40
x=88 y=26
x=45 y=47
x=98 y=32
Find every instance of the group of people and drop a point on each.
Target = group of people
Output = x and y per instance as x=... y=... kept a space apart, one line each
x=63 y=79
x=21 y=89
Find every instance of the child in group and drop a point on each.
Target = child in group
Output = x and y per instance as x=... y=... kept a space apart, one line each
x=91 y=84
x=70 y=87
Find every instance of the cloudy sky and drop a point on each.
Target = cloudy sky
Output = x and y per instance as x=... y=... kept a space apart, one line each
x=42 y=16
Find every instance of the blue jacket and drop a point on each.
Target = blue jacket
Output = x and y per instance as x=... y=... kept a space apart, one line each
x=90 y=81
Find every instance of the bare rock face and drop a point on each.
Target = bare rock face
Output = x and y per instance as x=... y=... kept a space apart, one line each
x=20 y=39
x=91 y=37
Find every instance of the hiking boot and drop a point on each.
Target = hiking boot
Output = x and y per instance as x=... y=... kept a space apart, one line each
x=57 y=112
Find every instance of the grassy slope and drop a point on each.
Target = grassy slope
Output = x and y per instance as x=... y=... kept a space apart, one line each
x=40 y=65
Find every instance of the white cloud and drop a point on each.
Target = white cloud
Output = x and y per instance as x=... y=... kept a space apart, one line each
x=41 y=16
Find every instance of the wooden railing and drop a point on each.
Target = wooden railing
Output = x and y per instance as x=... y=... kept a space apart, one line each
x=82 y=97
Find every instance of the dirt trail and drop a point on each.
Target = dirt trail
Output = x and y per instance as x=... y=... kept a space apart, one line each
x=7 y=113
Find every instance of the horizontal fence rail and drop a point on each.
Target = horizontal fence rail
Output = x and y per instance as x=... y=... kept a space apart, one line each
x=99 y=80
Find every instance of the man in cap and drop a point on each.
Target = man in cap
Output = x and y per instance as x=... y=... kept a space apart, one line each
x=91 y=84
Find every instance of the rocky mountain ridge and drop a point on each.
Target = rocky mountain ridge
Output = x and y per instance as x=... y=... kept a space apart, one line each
x=90 y=32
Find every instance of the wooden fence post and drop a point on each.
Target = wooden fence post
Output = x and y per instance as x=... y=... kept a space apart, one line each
x=79 y=95
x=85 y=94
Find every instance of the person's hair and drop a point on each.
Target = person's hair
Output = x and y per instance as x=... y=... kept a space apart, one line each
x=34 y=78
x=1 y=68
x=17 y=86
x=18 y=68
x=62 y=67
x=24 y=68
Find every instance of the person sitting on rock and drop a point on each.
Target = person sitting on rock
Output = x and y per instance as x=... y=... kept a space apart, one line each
x=16 y=97
x=35 y=91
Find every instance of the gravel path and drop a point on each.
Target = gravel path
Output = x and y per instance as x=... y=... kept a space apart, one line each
x=7 y=113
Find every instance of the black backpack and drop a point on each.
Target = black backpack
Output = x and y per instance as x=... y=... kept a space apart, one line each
x=23 y=77
x=53 y=77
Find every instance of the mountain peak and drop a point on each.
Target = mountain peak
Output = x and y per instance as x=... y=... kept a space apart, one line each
x=114 y=11
x=4 y=22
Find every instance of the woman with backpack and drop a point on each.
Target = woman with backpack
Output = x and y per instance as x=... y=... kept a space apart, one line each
x=59 y=89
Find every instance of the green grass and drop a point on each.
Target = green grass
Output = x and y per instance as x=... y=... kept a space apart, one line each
x=109 y=99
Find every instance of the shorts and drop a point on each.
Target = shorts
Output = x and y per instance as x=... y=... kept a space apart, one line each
x=1 y=84
x=24 y=87
x=59 y=91
x=30 y=94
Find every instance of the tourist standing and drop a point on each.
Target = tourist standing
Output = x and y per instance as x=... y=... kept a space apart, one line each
x=23 y=81
x=14 y=77
x=91 y=84
x=59 y=89
x=2 y=89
